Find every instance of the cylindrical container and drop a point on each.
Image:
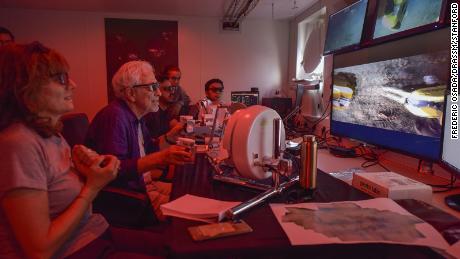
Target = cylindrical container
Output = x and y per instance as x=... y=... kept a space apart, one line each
x=308 y=157
x=277 y=138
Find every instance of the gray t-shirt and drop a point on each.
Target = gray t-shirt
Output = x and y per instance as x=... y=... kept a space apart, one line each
x=29 y=161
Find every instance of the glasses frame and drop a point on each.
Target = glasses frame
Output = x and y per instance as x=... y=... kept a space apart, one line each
x=151 y=87
x=170 y=89
x=175 y=78
x=215 y=90
x=61 y=78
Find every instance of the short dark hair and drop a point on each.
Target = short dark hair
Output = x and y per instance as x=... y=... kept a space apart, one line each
x=162 y=77
x=4 y=30
x=170 y=68
x=212 y=81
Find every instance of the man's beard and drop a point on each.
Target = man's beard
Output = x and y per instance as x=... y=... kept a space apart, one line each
x=155 y=105
x=155 y=108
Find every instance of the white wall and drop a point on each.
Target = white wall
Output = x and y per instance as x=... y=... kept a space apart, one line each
x=332 y=6
x=309 y=100
x=255 y=57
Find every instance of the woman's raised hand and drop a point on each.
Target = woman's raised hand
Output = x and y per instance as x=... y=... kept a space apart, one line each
x=98 y=170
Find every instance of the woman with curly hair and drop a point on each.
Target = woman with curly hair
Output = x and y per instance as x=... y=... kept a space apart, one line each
x=45 y=199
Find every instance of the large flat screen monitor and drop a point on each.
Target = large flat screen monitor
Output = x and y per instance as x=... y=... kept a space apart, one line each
x=451 y=147
x=345 y=28
x=396 y=18
x=392 y=95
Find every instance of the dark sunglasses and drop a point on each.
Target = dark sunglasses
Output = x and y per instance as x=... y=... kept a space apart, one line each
x=152 y=87
x=169 y=88
x=175 y=78
x=216 y=90
x=61 y=78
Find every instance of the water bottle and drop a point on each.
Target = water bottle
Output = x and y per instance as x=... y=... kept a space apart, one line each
x=308 y=157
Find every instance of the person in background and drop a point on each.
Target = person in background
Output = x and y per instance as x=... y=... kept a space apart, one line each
x=213 y=89
x=45 y=200
x=181 y=100
x=159 y=123
x=6 y=37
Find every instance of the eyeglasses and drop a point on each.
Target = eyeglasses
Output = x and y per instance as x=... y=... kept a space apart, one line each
x=152 y=87
x=169 y=88
x=215 y=90
x=175 y=78
x=61 y=78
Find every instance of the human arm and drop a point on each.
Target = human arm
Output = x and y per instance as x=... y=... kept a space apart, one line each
x=173 y=123
x=112 y=132
x=38 y=236
x=170 y=137
x=173 y=155
x=98 y=170
x=27 y=211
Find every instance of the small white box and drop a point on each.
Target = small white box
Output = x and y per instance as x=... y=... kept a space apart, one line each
x=392 y=185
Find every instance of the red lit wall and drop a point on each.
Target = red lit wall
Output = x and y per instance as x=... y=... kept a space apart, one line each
x=255 y=57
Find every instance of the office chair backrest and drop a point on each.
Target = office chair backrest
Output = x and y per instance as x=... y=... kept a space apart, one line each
x=74 y=128
x=119 y=206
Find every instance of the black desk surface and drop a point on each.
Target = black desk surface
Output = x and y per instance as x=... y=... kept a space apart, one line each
x=268 y=239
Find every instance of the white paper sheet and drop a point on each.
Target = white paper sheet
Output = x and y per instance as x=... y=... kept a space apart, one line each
x=197 y=208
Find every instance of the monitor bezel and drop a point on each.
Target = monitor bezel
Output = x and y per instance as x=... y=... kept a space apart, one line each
x=441 y=161
x=370 y=41
x=351 y=47
x=389 y=148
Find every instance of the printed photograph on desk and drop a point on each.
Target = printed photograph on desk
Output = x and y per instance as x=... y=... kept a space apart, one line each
x=378 y=220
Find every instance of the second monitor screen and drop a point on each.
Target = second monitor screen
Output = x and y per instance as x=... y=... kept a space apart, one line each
x=395 y=16
x=345 y=27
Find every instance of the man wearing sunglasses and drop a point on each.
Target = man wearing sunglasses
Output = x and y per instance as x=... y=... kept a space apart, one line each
x=119 y=129
x=180 y=101
x=213 y=89
x=160 y=122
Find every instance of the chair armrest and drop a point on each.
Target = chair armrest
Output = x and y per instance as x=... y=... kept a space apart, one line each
x=128 y=193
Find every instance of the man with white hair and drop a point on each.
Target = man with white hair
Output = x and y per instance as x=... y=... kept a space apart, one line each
x=119 y=128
